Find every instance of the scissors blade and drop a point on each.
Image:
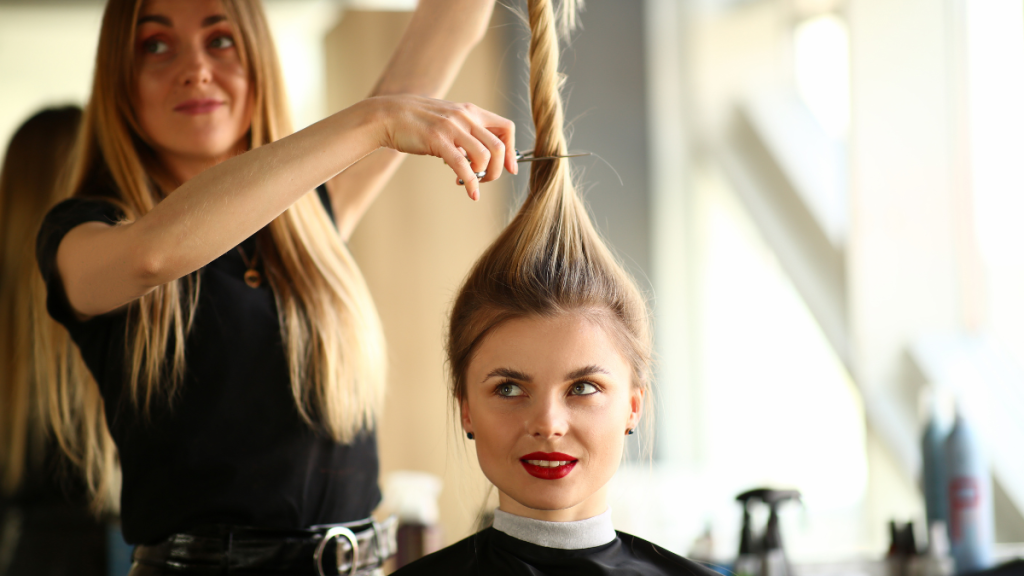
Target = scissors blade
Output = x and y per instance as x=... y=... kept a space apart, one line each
x=532 y=158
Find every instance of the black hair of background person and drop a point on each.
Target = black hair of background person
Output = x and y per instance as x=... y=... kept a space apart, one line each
x=46 y=527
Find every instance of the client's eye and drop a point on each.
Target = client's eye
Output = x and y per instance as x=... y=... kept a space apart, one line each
x=583 y=389
x=509 y=390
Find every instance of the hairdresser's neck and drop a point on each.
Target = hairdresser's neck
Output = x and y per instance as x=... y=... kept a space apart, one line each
x=595 y=505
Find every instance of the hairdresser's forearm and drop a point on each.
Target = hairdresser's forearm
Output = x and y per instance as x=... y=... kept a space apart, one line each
x=105 y=267
x=434 y=46
x=426 y=62
x=215 y=210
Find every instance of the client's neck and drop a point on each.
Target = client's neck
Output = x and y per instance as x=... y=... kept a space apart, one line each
x=595 y=505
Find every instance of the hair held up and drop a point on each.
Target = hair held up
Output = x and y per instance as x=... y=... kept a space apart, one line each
x=549 y=260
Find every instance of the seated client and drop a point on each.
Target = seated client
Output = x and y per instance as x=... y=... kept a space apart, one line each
x=549 y=347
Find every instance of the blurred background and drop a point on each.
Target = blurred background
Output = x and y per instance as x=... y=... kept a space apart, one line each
x=822 y=198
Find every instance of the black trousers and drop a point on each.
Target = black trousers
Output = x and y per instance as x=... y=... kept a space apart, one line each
x=221 y=550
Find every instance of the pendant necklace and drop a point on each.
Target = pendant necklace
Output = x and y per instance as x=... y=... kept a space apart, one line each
x=252 y=276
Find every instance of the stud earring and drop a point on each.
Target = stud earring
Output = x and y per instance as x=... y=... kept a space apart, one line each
x=470 y=435
x=629 y=432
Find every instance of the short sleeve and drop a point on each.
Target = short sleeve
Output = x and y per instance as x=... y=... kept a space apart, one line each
x=60 y=220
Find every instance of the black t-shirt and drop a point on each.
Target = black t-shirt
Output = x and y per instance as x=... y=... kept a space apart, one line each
x=494 y=553
x=231 y=447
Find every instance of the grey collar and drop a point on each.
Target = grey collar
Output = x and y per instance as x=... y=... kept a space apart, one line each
x=562 y=535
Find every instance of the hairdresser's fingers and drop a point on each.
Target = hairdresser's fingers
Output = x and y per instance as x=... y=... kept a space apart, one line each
x=495 y=132
x=505 y=130
x=479 y=155
x=495 y=147
x=478 y=122
x=475 y=150
x=463 y=171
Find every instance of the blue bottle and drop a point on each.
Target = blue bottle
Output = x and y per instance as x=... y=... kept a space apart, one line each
x=969 y=491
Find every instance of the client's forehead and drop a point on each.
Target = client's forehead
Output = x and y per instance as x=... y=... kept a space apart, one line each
x=562 y=347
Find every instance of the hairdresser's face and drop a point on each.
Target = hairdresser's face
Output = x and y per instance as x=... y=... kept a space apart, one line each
x=192 y=94
x=549 y=401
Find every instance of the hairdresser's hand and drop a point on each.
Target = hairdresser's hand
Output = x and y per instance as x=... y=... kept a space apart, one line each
x=468 y=138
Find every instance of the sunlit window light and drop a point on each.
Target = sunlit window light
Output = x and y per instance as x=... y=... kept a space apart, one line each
x=995 y=44
x=770 y=374
x=995 y=94
x=821 y=49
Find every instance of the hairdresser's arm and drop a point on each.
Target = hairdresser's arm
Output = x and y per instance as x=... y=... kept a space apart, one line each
x=104 y=267
x=429 y=56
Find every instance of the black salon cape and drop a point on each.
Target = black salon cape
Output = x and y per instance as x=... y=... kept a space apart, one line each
x=494 y=553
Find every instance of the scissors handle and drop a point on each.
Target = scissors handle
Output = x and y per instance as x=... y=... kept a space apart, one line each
x=529 y=157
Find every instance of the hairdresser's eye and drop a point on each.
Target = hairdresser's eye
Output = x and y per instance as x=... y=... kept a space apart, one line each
x=222 y=42
x=509 y=390
x=155 y=46
x=582 y=389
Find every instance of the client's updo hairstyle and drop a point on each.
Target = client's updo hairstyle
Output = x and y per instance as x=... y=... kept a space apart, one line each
x=549 y=260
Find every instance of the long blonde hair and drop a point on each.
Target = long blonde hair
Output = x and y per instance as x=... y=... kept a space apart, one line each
x=332 y=335
x=549 y=260
x=33 y=348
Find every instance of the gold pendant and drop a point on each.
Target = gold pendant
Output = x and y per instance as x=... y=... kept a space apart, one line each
x=252 y=278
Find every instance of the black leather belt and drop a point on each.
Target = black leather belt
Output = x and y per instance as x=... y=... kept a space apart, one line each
x=350 y=548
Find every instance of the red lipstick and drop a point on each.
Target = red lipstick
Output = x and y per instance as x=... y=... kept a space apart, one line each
x=548 y=465
x=198 y=106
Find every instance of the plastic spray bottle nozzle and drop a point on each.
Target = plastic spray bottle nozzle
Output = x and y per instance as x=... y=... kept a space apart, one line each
x=748 y=545
x=772 y=534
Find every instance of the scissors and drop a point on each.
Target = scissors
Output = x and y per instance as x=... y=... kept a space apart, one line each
x=529 y=157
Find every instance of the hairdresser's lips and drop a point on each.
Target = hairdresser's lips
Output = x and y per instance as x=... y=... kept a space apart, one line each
x=548 y=465
x=198 y=106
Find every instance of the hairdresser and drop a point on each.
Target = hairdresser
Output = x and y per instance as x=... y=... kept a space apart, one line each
x=200 y=267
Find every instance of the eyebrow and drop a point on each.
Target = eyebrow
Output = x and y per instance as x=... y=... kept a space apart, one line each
x=522 y=376
x=157 y=18
x=508 y=373
x=586 y=371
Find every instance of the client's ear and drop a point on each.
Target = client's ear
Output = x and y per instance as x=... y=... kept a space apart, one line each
x=467 y=422
x=636 y=406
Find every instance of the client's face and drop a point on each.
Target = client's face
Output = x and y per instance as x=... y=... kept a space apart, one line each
x=549 y=401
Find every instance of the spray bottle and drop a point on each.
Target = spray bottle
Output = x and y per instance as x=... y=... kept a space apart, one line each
x=969 y=489
x=766 y=557
x=748 y=562
x=774 y=561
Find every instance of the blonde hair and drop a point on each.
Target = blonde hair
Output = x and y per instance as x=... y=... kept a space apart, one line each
x=332 y=335
x=34 y=349
x=549 y=260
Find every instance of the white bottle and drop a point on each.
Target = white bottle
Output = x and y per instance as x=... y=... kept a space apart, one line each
x=969 y=489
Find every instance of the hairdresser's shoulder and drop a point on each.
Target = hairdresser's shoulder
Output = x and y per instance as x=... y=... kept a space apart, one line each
x=65 y=216
x=80 y=209
x=660 y=560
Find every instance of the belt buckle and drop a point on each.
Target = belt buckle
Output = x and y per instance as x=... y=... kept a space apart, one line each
x=332 y=534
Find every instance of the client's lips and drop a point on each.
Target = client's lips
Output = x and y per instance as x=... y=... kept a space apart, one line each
x=548 y=465
x=198 y=106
